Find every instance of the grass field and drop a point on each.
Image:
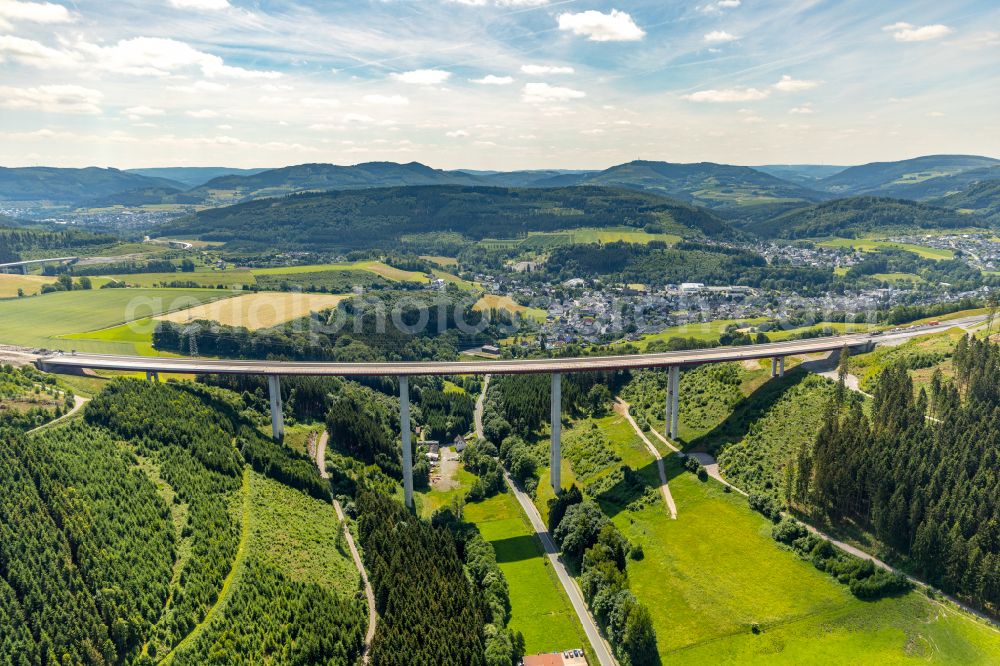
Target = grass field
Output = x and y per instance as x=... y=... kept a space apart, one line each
x=43 y=321
x=872 y=245
x=495 y=302
x=444 y=262
x=712 y=573
x=30 y=284
x=254 y=311
x=539 y=607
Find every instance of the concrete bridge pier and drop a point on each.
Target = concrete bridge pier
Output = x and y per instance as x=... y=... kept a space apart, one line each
x=674 y=395
x=404 y=430
x=152 y=376
x=277 y=418
x=555 y=456
x=778 y=366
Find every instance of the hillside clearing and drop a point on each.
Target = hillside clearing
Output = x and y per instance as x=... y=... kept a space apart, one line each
x=255 y=311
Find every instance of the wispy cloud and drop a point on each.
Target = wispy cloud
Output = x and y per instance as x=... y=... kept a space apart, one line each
x=65 y=98
x=539 y=70
x=727 y=95
x=719 y=37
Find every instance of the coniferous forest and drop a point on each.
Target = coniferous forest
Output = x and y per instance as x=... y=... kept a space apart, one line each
x=920 y=472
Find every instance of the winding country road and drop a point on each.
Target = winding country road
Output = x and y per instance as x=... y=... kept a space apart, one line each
x=355 y=555
x=78 y=404
x=597 y=642
x=623 y=408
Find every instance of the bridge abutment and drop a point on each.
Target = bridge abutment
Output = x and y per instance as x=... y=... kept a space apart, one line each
x=277 y=418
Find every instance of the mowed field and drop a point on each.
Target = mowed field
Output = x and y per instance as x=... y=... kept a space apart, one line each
x=43 y=321
x=710 y=575
x=257 y=310
x=494 y=302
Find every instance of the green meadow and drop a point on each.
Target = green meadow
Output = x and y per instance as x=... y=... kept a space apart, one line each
x=872 y=245
x=540 y=609
x=713 y=573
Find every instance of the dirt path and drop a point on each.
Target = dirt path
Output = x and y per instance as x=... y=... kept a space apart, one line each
x=355 y=555
x=622 y=407
x=78 y=404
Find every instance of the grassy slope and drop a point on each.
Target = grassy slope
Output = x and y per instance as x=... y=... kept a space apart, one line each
x=495 y=302
x=715 y=570
x=41 y=321
x=539 y=607
x=872 y=245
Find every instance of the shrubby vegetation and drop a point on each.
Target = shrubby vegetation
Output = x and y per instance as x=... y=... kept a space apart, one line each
x=29 y=398
x=865 y=580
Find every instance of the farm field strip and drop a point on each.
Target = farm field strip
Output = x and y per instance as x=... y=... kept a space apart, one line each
x=872 y=245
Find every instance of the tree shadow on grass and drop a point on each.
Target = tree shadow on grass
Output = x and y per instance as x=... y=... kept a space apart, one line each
x=746 y=412
x=517 y=548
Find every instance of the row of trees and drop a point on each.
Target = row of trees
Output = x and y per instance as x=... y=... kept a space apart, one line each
x=593 y=544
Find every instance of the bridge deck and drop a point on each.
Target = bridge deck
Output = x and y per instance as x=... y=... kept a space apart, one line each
x=498 y=367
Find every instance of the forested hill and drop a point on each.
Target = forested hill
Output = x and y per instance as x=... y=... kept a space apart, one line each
x=895 y=178
x=983 y=199
x=846 y=217
x=381 y=217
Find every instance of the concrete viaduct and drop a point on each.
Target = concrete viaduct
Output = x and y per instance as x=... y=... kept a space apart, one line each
x=556 y=367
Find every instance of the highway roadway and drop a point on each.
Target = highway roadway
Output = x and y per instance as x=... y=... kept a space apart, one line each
x=71 y=361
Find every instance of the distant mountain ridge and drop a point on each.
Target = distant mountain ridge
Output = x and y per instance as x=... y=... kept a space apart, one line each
x=982 y=199
x=71 y=186
x=194 y=176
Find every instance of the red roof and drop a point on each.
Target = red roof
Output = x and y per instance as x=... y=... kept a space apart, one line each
x=551 y=659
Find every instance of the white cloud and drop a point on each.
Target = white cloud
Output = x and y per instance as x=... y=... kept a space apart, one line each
x=599 y=27
x=386 y=100
x=788 y=84
x=536 y=70
x=457 y=134
x=718 y=7
x=719 y=37
x=155 y=56
x=203 y=113
x=32 y=53
x=727 y=95
x=493 y=80
x=207 y=5
x=320 y=102
x=592 y=132
x=423 y=77
x=35 y=12
x=801 y=110
x=907 y=32
x=936 y=114
x=202 y=86
x=753 y=120
x=541 y=93
x=224 y=127
x=52 y=99
x=358 y=118
x=140 y=112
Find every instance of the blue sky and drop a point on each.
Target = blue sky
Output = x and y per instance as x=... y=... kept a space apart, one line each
x=495 y=84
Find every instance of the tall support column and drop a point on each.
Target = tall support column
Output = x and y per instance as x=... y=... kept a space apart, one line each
x=774 y=366
x=781 y=366
x=404 y=429
x=277 y=418
x=670 y=402
x=152 y=376
x=675 y=382
x=555 y=456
